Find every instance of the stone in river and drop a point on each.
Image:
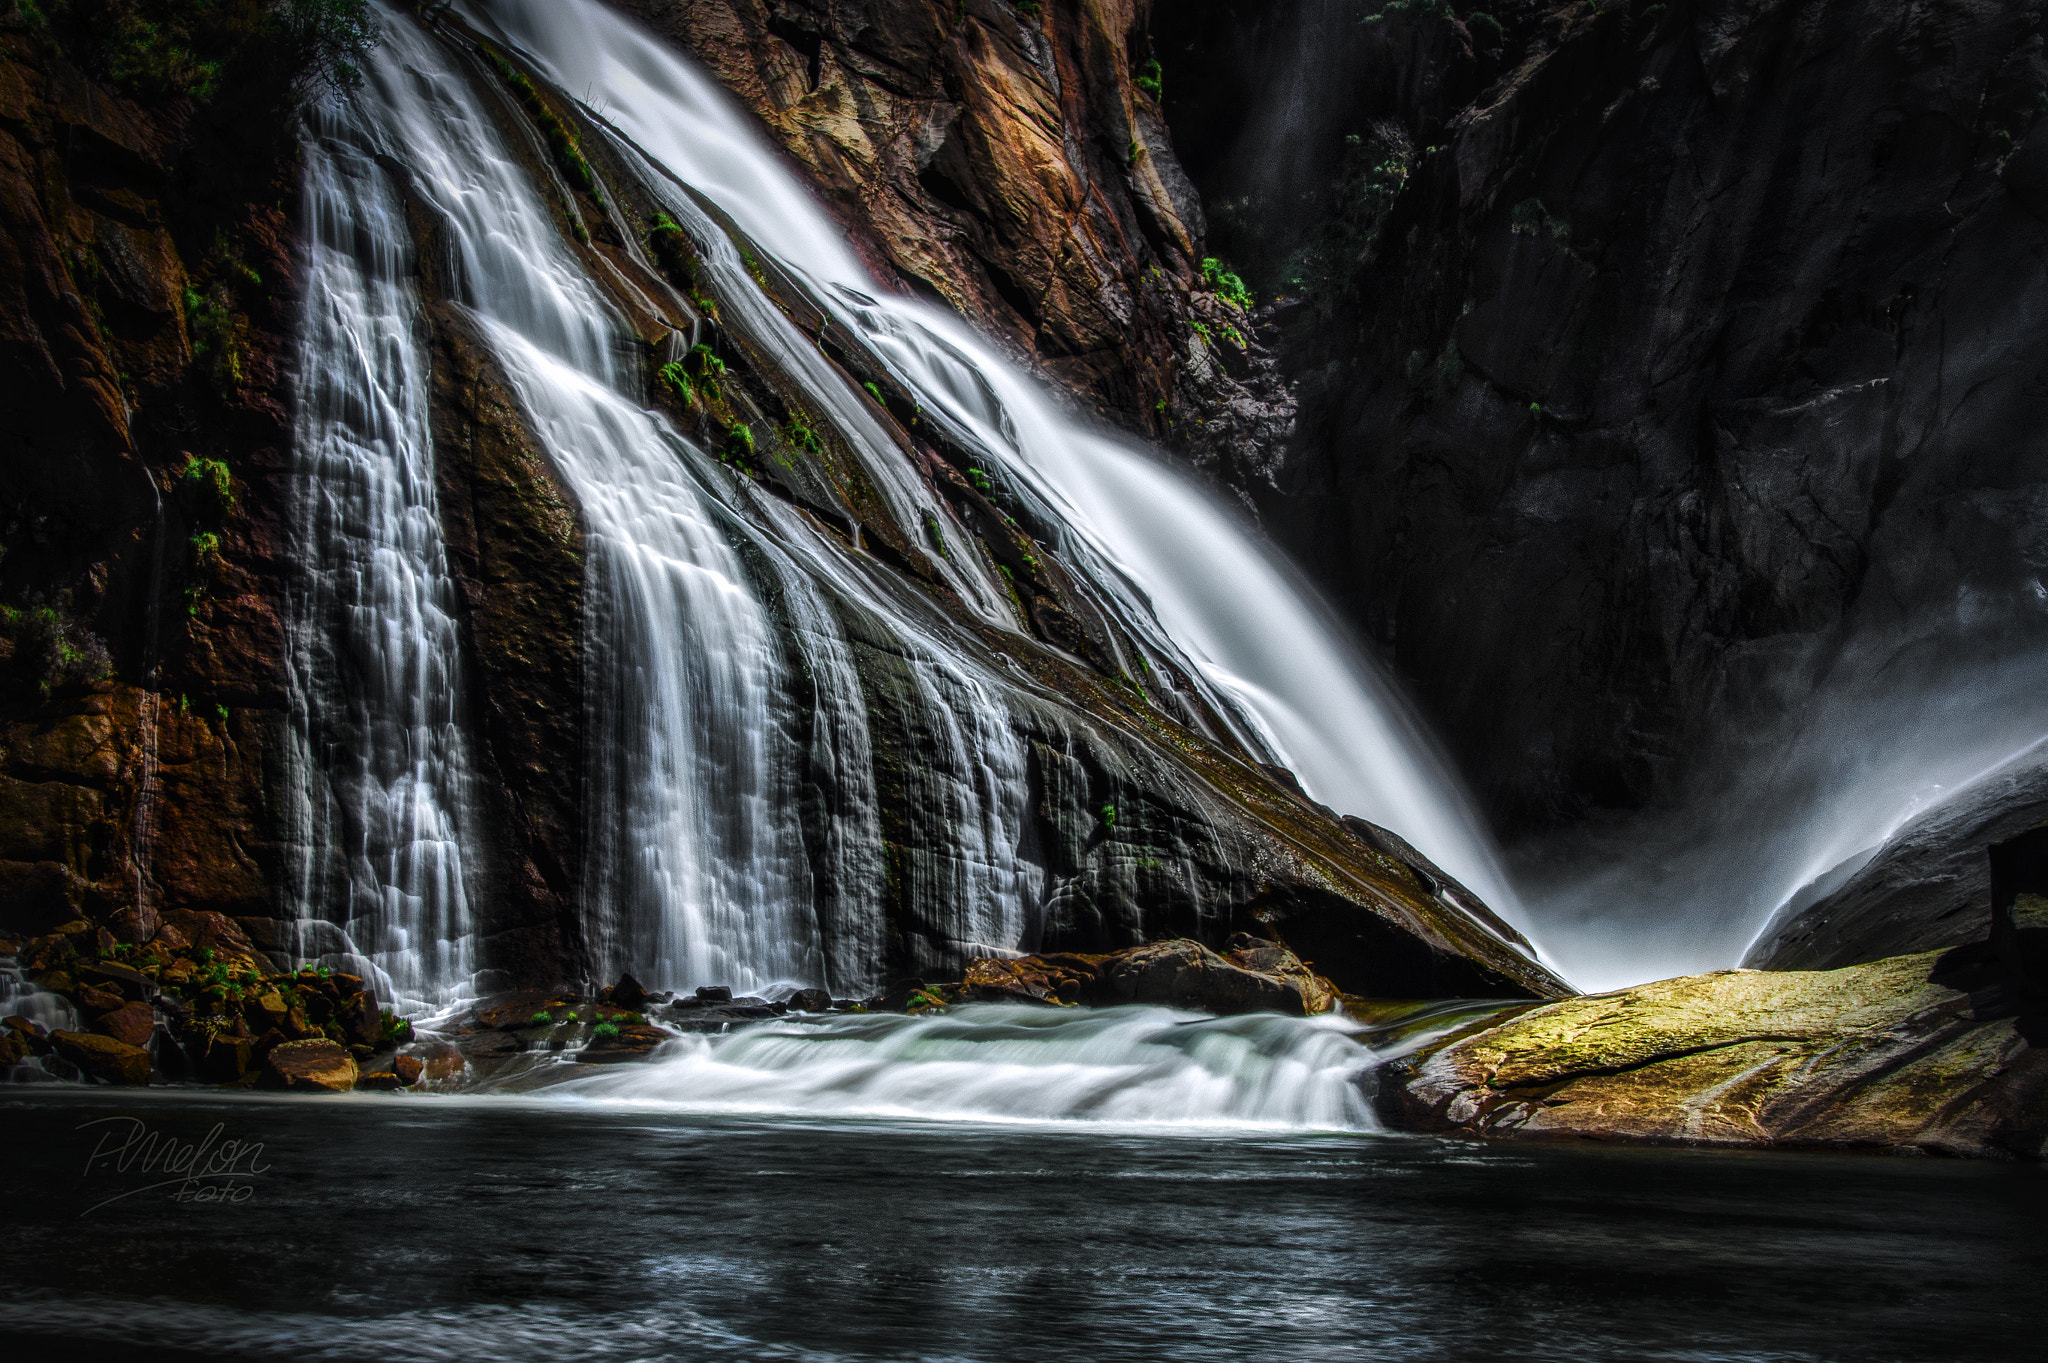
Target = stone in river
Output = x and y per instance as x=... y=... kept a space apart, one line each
x=321 y=1066
x=629 y=994
x=102 y=1057
x=130 y=1023
x=810 y=1001
x=407 y=1068
x=714 y=993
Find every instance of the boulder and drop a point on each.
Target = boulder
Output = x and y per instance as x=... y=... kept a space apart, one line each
x=407 y=1068
x=131 y=1023
x=320 y=1066
x=634 y=1042
x=382 y=1082
x=102 y=1057
x=629 y=994
x=714 y=993
x=96 y=1000
x=189 y=928
x=360 y=1021
x=221 y=1057
x=810 y=1001
x=1893 y=1055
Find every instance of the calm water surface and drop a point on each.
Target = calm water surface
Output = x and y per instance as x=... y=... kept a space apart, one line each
x=412 y=1227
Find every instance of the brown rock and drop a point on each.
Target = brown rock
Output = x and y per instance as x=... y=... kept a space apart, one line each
x=102 y=1057
x=359 y=1019
x=1186 y=974
x=222 y=1057
x=321 y=1066
x=97 y=1000
x=439 y=1060
x=810 y=1001
x=383 y=1082
x=634 y=1042
x=187 y=927
x=130 y=1023
x=407 y=1068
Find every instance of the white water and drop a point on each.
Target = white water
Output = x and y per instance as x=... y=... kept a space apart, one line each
x=697 y=869
x=996 y=1062
x=1150 y=536
x=380 y=761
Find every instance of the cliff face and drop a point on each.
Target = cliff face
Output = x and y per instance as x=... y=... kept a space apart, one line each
x=1007 y=161
x=1657 y=365
x=143 y=293
x=155 y=561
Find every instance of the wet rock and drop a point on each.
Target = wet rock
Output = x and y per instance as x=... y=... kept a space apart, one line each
x=319 y=1066
x=102 y=1057
x=408 y=1068
x=629 y=994
x=634 y=1042
x=1889 y=1055
x=97 y=1000
x=131 y=1023
x=517 y=1007
x=714 y=993
x=211 y=931
x=811 y=1001
x=222 y=1058
x=382 y=1082
x=30 y=1031
x=121 y=979
x=1173 y=974
x=359 y=1019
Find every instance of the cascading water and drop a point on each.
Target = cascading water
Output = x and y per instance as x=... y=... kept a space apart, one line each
x=381 y=758
x=1021 y=1063
x=1146 y=538
x=697 y=869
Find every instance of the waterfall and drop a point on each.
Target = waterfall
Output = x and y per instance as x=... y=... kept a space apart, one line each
x=1181 y=573
x=380 y=762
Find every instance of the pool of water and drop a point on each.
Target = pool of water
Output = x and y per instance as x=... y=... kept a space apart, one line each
x=416 y=1227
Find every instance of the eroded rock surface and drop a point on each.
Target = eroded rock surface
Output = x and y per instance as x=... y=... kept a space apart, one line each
x=1894 y=1055
x=1257 y=977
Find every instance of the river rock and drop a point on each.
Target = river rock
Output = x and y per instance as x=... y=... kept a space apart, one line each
x=407 y=1067
x=131 y=1023
x=1892 y=1055
x=810 y=1001
x=322 y=1066
x=102 y=1057
x=635 y=1041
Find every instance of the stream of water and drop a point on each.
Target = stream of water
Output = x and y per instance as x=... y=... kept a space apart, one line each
x=407 y=1230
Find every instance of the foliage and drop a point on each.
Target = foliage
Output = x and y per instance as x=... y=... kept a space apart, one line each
x=604 y=1031
x=980 y=480
x=209 y=480
x=562 y=140
x=1487 y=34
x=874 y=393
x=798 y=433
x=543 y=1018
x=923 y=998
x=677 y=380
x=1151 y=79
x=1227 y=285
x=706 y=369
x=739 y=445
x=1109 y=816
x=194 y=49
x=395 y=1030
x=51 y=649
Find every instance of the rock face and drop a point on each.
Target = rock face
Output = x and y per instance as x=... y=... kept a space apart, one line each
x=1005 y=160
x=1895 y=1055
x=1651 y=357
x=1258 y=977
x=1928 y=886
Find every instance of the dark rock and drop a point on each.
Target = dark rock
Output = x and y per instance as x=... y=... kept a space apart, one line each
x=714 y=993
x=359 y=1018
x=1261 y=976
x=634 y=1042
x=317 y=1066
x=221 y=1058
x=811 y=1001
x=102 y=1057
x=97 y=1000
x=629 y=994
x=1928 y=886
x=383 y=1082
x=407 y=1067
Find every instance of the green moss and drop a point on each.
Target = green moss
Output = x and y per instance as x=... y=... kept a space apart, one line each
x=1151 y=79
x=797 y=433
x=562 y=140
x=1226 y=283
x=604 y=1031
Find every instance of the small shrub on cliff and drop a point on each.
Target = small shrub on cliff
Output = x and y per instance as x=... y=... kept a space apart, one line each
x=739 y=444
x=169 y=49
x=51 y=650
x=798 y=433
x=604 y=1031
x=1151 y=79
x=395 y=1030
x=1487 y=34
x=1109 y=816
x=541 y=1019
x=561 y=138
x=1227 y=285
x=677 y=381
